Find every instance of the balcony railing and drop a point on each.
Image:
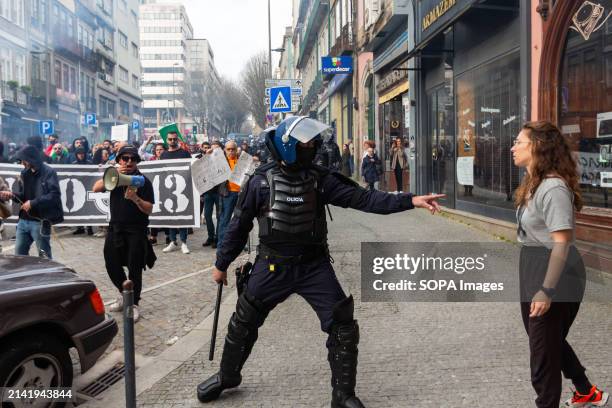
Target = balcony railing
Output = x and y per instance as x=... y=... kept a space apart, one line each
x=314 y=20
x=344 y=43
x=14 y=95
x=65 y=44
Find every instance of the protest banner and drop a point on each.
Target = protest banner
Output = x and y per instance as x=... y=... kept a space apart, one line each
x=177 y=202
x=210 y=170
x=243 y=167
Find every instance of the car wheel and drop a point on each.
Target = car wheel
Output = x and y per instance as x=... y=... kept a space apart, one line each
x=35 y=361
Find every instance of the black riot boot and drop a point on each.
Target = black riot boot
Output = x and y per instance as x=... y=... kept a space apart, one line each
x=241 y=336
x=342 y=356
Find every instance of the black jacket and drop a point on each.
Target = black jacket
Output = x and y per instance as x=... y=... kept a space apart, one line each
x=371 y=168
x=48 y=201
x=335 y=190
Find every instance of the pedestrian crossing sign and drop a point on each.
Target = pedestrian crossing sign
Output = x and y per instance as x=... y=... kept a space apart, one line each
x=280 y=99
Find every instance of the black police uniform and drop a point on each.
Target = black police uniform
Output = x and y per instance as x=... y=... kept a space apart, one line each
x=293 y=257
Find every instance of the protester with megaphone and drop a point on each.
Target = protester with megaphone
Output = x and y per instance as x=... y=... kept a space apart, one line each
x=127 y=244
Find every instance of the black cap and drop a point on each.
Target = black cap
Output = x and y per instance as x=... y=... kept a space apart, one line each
x=131 y=150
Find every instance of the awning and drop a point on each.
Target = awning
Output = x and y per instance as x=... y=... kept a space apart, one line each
x=397 y=90
x=21 y=113
x=336 y=82
x=398 y=48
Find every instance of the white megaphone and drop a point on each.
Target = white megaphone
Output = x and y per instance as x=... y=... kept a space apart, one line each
x=113 y=179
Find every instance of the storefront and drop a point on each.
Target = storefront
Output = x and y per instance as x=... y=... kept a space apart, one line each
x=471 y=83
x=575 y=91
x=391 y=86
x=391 y=89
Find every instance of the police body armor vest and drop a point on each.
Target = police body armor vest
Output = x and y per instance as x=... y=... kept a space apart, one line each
x=295 y=211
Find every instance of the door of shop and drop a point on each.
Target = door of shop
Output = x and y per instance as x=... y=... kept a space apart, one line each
x=441 y=140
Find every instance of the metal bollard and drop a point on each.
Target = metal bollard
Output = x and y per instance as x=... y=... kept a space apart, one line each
x=128 y=344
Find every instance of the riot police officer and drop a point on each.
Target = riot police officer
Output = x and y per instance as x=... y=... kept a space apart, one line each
x=288 y=198
x=328 y=154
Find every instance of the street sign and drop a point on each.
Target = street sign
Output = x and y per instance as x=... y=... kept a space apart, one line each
x=274 y=83
x=280 y=99
x=295 y=101
x=294 y=91
x=90 y=118
x=135 y=125
x=46 y=127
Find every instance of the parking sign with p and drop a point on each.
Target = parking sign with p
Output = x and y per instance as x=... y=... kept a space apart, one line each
x=90 y=119
x=46 y=127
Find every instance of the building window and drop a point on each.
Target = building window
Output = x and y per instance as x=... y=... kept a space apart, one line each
x=134 y=50
x=488 y=120
x=585 y=107
x=124 y=107
x=5 y=9
x=105 y=37
x=123 y=40
x=123 y=5
x=66 y=77
x=20 y=69
x=107 y=108
x=13 y=11
x=70 y=27
x=73 y=81
x=135 y=82
x=5 y=56
x=134 y=17
x=58 y=74
x=338 y=22
x=123 y=75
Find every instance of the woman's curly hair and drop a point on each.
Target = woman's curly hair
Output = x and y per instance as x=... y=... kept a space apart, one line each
x=551 y=154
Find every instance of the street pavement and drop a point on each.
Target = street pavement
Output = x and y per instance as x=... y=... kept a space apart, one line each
x=410 y=354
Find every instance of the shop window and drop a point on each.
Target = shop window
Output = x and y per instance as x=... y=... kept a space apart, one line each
x=487 y=121
x=585 y=98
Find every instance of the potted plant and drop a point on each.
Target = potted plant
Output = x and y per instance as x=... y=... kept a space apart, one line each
x=12 y=84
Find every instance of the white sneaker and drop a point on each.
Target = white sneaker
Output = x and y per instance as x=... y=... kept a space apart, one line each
x=136 y=311
x=184 y=248
x=171 y=247
x=117 y=306
x=401 y=192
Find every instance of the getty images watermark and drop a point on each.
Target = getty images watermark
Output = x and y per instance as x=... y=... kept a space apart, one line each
x=464 y=272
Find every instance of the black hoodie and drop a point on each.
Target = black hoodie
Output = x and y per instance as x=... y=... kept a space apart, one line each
x=40 y=186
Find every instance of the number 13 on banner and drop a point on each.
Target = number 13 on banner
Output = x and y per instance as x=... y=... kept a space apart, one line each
x=177 y=185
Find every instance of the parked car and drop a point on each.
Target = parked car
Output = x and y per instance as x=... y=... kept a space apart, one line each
x=45 y=310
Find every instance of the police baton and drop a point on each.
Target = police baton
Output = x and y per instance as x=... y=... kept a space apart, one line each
x=213 y=338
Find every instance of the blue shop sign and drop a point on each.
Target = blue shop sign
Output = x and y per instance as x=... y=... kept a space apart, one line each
x=337 y=65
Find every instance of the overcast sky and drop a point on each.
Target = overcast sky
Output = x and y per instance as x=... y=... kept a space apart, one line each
x=237 y=29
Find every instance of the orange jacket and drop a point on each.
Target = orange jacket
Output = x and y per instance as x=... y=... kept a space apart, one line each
x=232 y=186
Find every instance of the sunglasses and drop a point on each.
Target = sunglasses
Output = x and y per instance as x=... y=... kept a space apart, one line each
x=172 y=139
x=128 y=159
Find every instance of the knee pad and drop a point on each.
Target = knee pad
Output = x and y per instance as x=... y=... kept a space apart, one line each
x=345 y=335
x=343 y=310
x=250 y=314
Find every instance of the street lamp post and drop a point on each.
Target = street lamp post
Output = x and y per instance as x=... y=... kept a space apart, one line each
x=269 y=41
x=174 y=92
